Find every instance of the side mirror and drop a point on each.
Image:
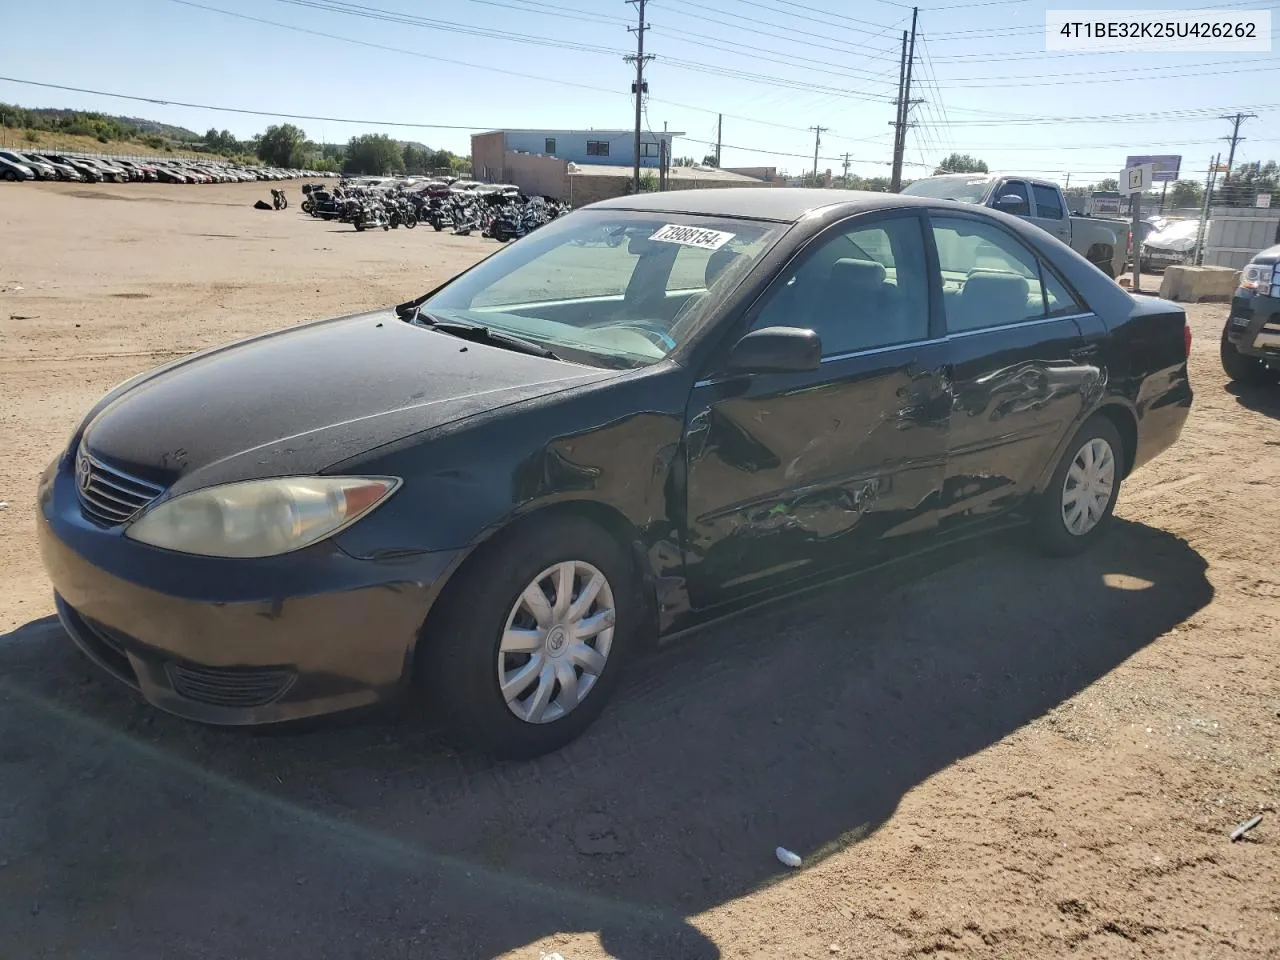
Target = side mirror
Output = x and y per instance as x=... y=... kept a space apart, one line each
x=1010 y=202
x=776 y=350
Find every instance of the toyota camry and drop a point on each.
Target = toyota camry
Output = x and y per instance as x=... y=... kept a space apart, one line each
x=645 y=415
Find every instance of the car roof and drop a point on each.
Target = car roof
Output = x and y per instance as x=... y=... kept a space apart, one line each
x=783 y=204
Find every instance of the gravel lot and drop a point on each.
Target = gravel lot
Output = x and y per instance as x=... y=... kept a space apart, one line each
x=983 y=754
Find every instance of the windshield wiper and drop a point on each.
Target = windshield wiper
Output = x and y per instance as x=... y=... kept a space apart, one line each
x=477 y=333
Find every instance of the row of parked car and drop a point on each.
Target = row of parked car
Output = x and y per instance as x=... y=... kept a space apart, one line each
x=28 y=165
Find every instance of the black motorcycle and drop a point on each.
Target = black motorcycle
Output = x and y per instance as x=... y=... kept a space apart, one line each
x=370 y=214
x=278 y=199
x=401 y=211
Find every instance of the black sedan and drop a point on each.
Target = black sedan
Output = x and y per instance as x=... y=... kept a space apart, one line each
x=642 y=416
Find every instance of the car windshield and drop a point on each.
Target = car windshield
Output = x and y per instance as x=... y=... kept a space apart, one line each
x=1182 y=230
x=969 y=189
x=618 y=287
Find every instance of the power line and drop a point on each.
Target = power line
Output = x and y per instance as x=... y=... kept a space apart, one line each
x=781 y=32
x=462 y=63
x=753 y=52
x=273 y=114
x=825 y=21
x=391 y=16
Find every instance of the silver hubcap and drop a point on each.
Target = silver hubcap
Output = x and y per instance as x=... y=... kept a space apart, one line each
x=1087 y=489
x=556 y=641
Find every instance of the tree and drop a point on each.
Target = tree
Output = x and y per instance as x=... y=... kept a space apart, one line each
x=1186 y=193
x=961 y=163
x=282 y=146
x=374 y=153
x=1110 y=183
x=710 y=160
x=416 y=159
x=1245 y=183
x=684 y=162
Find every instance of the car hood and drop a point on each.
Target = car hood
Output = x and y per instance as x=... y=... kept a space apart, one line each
x=300 y=400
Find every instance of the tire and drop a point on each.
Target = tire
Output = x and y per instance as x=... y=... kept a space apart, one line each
x=410 y=222
x=1241 y=367
x=460 y=657
x=359 y=225
x=307 y=206
x=437 y=225
x=10 y=176
x=1050 y=527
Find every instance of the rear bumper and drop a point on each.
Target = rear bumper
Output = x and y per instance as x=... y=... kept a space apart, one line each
x=235 y=642
x=1253 y=326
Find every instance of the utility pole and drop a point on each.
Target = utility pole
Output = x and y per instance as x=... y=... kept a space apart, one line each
x=846 y=170
x=904 y=101
x=1235 y=138
x=817 y=142
x=895 y=178
x=1204 y=210
x=719 y=130
x=639 y=89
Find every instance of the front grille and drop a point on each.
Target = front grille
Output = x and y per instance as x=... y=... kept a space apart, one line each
x=110 y=497
x=229 y=686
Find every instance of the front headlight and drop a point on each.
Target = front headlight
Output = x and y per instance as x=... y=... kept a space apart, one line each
x=260 y=518
x=1257 y=276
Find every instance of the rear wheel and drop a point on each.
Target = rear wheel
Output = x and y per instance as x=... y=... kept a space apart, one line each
x=1243 y=368
x=531 y=638
x=1078 y=503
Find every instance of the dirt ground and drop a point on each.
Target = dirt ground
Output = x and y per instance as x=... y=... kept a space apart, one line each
x=984 y=754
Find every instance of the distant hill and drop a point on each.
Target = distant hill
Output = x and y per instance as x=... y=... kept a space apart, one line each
x=155 y=126
x=91 y=123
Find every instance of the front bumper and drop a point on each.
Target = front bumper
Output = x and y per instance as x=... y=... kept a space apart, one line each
x=234 y=641
x=1165 y=258
x=1253 y=326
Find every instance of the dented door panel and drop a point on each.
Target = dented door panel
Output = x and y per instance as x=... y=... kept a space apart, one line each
x=791 y=474
x=1018 y=391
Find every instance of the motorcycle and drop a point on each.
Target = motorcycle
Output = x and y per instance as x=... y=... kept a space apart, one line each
x=370 y=214
x=401 y=211
x=278 y=199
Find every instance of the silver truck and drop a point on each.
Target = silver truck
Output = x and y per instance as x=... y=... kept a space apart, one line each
x=1103 y=242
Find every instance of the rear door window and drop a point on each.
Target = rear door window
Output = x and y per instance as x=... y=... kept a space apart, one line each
x=989 y=278
x=1048 y=202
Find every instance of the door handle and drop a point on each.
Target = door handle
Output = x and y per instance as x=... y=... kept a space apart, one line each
x=1085 y=352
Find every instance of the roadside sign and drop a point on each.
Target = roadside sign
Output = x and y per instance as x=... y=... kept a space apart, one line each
x=1136 y=179
x=1264 y=200
x=1165 y=167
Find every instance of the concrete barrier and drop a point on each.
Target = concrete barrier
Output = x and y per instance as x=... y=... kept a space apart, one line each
x=1197 y=284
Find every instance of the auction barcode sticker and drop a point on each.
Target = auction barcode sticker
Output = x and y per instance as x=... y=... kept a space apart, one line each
x=1217 y=31
x=692 y=236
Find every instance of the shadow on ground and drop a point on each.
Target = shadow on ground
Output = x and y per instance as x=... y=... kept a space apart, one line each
x=1260 y=398
x=127 y=833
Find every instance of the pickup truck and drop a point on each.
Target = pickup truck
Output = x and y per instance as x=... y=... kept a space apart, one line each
x=1104 y=243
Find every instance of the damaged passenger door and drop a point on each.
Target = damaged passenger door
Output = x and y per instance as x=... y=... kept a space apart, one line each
x=791 y=474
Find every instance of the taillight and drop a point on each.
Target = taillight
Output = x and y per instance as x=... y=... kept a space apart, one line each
x=1186 y=337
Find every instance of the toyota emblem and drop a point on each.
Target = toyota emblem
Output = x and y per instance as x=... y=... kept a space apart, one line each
x=84 y=473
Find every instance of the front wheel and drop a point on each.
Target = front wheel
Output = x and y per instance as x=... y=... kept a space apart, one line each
x=410 y=222
x=1078 y=503
x=532 y=638
x=10 y=176
x=1241 y=367
x=359 y=225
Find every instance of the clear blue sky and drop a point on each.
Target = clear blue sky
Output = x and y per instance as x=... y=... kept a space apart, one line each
x=773 y=67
